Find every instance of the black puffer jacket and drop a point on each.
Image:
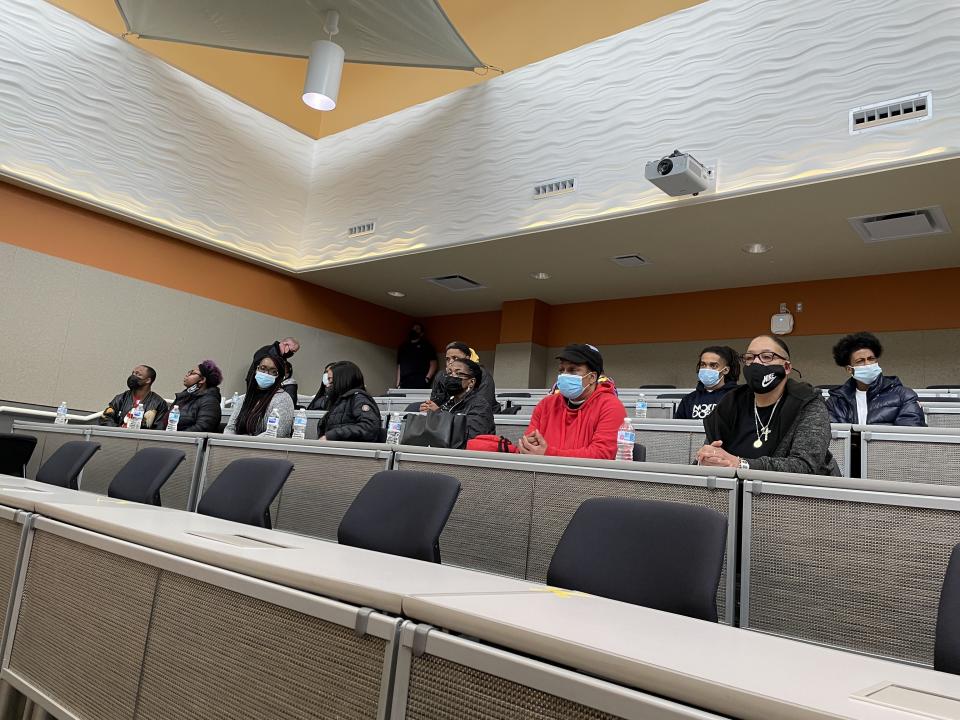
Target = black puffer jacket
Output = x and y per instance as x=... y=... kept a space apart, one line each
x=888 y=403
x=354 y=418
x=476 y=407
x=199 y=411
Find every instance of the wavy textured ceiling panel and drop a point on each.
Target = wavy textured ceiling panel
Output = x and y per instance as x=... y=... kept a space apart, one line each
x=383 y=32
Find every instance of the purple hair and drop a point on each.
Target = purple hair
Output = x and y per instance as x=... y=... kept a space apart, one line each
x=209 y=369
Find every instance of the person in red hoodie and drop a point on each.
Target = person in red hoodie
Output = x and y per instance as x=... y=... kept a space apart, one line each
x=582 y=418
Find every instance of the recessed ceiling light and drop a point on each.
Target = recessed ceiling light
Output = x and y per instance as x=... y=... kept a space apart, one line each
x=396 y=293
x=756 y=248
x=540 y=276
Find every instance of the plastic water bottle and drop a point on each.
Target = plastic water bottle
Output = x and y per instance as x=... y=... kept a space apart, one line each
x=641 y=410
x=273 y=423
x=300 y=424
x=61 y=418
x=173 y=419
x=394 y=429
x=234 y=400
x=136 y=416
x=626 y=437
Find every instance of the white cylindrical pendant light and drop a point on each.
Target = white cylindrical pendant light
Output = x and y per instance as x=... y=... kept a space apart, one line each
x=323 y=75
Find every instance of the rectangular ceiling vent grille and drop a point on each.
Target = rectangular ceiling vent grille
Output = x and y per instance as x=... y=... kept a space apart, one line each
x=912 y=108
x=900 y=225
x=629 y=260
x=550 y=188
x=366 y=228
x=456 y=283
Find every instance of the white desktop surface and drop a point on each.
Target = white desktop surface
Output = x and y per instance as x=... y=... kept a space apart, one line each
x=352 y=575
x=735 y=672
x=16 y=492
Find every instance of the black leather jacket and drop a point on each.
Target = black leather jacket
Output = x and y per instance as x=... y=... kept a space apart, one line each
x=888 y=403
x=154 y=408
x=354 y=418
x=199 y=411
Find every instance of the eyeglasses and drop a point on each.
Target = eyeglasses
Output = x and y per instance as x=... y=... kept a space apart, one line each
x=459 y=376
x=267 y=370
x=766 y=357
x=192 y=372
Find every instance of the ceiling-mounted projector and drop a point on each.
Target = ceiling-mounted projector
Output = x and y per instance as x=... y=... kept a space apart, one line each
x=680 y=174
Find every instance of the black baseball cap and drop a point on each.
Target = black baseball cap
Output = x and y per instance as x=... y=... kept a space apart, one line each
x=583 y=354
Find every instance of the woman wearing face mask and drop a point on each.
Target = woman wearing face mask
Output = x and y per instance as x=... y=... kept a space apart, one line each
x=199 y=401
x=717 y=374
x=264 y=395
x=772 y=422
x=462 y=390
x=438 y=395
x=582 y=418
x=322 y=398
x=352 y=415
x=869 y=397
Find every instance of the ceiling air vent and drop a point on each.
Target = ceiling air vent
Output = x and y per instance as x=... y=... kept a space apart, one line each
x=629 y=260
x=912 y=108
x=550 y=188
x=366 y=228
x=899 y=225
x=457 y=283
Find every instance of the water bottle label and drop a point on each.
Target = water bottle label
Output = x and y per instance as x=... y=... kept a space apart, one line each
x=625 y=436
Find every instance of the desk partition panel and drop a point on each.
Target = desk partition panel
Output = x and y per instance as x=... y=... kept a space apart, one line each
x=110 y=630
x=513 y=509
x=117 y=446
x=11 y=532
x=942 y=415
x=669 y=441
x=913 y=455
x=49 y=439
x=326 y=477
x=855 y=564
x=445 y=677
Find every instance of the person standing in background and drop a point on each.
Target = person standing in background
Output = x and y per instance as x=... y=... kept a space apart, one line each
x=280 y=349
x=416 y=360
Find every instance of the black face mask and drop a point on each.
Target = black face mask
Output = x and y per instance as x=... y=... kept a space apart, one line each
x=764 y=378
x=134 y=383
x=453 y=385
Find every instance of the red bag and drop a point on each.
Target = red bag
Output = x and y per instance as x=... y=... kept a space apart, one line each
x=492 y=443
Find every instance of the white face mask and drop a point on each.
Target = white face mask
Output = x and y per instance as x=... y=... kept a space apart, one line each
x=327 y=379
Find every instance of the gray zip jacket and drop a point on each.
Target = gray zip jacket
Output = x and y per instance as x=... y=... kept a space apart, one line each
x=805 y=447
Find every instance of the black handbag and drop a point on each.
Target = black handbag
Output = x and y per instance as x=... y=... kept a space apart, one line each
x=435 y=429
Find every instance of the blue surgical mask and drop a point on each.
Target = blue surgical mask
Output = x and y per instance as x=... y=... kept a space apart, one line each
x=709 y=377
x=570 y=386
x=264 y=380
x=867 y=373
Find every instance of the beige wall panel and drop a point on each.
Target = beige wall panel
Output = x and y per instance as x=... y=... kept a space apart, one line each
x=513 y=365
x=35 y=309
x=86 y=328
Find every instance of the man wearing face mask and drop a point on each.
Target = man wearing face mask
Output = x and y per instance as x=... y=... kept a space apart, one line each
x=773 y=422
x=199 y=401
x=139 y=392
x=717 y=372
x=582 y=418
x=869 y=397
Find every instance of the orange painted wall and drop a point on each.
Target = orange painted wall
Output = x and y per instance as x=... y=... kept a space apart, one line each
x=480 y=330
x=883 y=303
x=52 y=227
x=923 y=300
